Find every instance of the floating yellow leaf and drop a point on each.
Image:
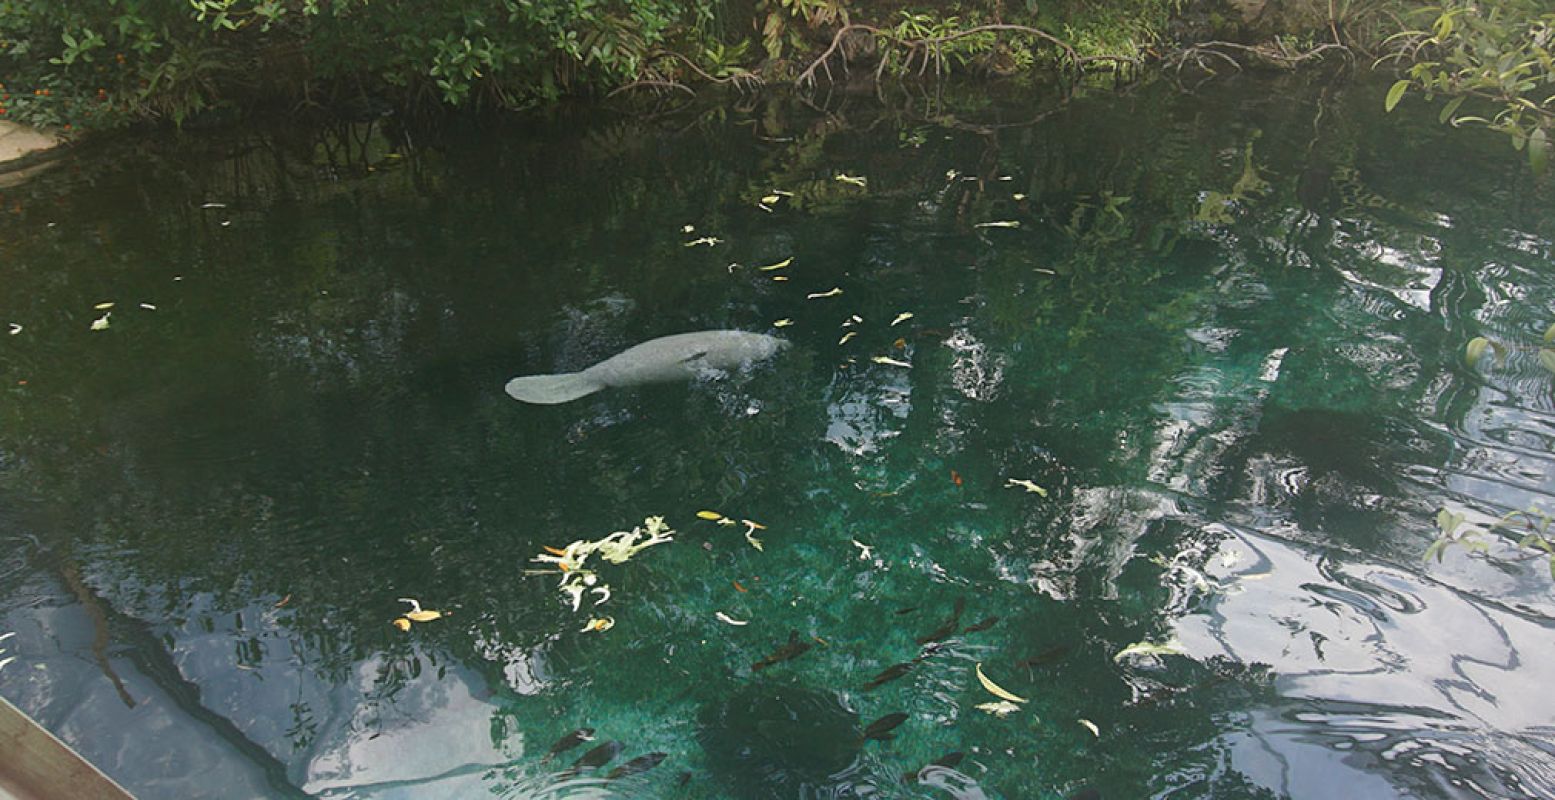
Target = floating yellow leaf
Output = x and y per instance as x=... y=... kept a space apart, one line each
x=728 y=620
x=770 y=199
x=847 y=336
x=889 y=360
x=780 y=277
x=997 y=690
x=779 y=265
x=598 y=625
x=902 y=317
x=555 y=551
x=688 y=229
x=1169 y=647
x=1091 y=726
x=818 y=295
x=855 y=180
x=999 y=709
x=701 y=515
x=1029 y=486
x=416 y=613
x=726 y=521
x=103 y=306
x=15 y=329
x=101 y=323
x=783 y=323
x=148 y=306
x=1007 y=223
x=402 y=623
x=1018 y=196
x=707 y=240
x=900 y=344
x=754 y=525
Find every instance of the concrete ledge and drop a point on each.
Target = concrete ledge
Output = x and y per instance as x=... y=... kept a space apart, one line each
x=38 y=766
x=18 y=142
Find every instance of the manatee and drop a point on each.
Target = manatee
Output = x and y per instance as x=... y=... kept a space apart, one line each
x=682 y=356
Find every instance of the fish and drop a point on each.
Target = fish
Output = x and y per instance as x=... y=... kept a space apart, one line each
x=599 y=756
x=881 y=728
x=787 y=652
x=568 y=742
x=908 y=610
x=981 y=625
x=1048 y=656
x=948 y=761
x=948 y=627
x=678 y=357
x=637 y=765
x=889 y=674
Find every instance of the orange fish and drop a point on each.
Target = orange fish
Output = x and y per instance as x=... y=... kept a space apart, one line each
x=955 y=477
x=738 y=587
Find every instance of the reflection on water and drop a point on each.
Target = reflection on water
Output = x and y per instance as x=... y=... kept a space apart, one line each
x=1223 y=344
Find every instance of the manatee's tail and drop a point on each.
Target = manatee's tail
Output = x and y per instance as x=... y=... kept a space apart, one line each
x=552 y=389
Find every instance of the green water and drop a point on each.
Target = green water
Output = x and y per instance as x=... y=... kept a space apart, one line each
x=1226 y=339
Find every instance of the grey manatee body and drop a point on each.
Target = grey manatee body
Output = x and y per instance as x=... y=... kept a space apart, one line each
x=680 y=357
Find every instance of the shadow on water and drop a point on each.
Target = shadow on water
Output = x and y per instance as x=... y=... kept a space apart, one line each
x=1141 y=403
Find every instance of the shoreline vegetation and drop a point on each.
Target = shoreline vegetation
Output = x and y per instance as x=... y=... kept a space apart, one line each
x=104 y=64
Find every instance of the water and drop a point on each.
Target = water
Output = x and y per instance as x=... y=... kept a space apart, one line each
x=1226 y=339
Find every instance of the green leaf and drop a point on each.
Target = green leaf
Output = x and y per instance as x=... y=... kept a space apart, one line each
x=1538 y=151
x=1451 y=108
x=1395 y=94
x=1435 y=549
x=1476 y=349
x=1547 y=358
x=1549 y=335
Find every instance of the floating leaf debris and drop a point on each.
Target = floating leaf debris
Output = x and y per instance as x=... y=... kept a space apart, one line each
x=996 y=689
x=783 y=323
x=889 y=360
x=101 y=323
x=999 y=709
x=710 y=241
x=728 y=620
x=855 y=180
x=1005 y=223
x=1010 y=483
x=1168 y=647
x=818 y=295
x=902 y=317
x=779 y=265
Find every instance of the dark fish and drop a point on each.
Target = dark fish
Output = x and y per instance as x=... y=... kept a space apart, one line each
x=949 y=627
x=685 y=778
x=1048 y=656
x=787 y=652
x=568 y=742
x=599 y=756
x=889 y=674
x=1085 y=794
x=907 y=610
x=948 y=761
x=982 y=625
x=637 y=765
x=881 y=728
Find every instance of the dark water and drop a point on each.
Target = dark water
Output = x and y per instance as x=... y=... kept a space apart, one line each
x=1226 y=339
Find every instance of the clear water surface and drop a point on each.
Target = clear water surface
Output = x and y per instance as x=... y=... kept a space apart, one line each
x=1225 y=338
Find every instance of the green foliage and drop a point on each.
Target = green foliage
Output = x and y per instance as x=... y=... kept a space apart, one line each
x=1498 y=55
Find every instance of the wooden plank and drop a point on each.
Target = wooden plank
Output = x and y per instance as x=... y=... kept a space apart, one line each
x=34 y=765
